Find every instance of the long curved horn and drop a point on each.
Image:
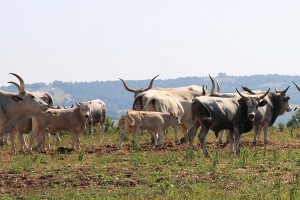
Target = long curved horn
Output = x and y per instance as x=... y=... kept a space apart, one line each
x=203 y=90
x=284 y=91
x=296 y=86
x=212 y=85
x=126 y=87
x=263 y=96
x=150 y=85
x=240 y=94
x=14 y=83
x=22 y=84
x=219 y=89
x=247 y=89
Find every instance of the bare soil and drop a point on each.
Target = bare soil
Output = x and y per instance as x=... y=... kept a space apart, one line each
x=15 y=183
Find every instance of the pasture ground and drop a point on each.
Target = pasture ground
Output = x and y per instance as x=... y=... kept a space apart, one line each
x=101 y=171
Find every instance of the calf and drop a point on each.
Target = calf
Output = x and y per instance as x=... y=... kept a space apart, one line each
x=98 y=113
x=70 y=119
x=154 y=122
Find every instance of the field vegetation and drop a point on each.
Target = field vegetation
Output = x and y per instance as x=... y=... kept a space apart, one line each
x=102 y=171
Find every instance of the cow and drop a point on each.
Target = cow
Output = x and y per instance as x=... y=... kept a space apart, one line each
x=164 y=103
x=24 y=125
x=98 y=113
x=184 y=93
x=277 y=104
x=154 y=122
x=142 y=96
x=70 y=119
x=14 y=107
x=217 y=113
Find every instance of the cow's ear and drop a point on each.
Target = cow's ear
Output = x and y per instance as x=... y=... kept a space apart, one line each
x=78 y=104
x=17 y=98
x=262 y=103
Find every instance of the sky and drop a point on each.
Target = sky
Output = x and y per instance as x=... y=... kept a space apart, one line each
x=101 y=40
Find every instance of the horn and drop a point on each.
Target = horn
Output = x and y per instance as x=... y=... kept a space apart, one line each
x=296 y=86
x=126 y=87
x=14 y=83
x=284 y=91
x=150 y=85
x=212 y=85
x=203 y=90
x=263 y=96
x=22 y=84
x=247 y=89
x=218 y=85
x=277 y=91
x=240 y=93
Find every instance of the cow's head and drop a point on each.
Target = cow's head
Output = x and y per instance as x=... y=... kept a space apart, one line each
x=175 y=118
x=27 y=100
x=138 y=91
x=279 y=98
x=252 y=103
x=283 y=100
x=85 y=110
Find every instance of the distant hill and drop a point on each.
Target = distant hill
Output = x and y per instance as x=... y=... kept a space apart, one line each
x=119 y=100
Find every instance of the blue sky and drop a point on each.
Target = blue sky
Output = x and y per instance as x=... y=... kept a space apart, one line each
x=71 y=40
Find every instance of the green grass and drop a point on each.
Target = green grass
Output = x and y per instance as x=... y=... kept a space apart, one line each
x=99 y=171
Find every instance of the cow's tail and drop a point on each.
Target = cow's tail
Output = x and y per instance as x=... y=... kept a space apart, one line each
x=150 y=100
x=137 y=104
x=130 y=119
x=200 y=111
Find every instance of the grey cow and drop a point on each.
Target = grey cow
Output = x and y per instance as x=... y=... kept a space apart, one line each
x=216 y=114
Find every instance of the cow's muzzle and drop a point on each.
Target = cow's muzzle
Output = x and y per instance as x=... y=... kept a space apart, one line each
x=251 y=116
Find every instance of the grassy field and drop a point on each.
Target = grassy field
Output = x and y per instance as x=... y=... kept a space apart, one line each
x=101 y=171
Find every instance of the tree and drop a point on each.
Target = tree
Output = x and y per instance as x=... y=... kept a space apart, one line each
x=294 y=122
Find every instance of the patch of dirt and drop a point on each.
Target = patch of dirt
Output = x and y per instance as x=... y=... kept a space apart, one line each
x=14 y=183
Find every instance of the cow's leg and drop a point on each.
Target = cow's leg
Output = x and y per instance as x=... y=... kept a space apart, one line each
x=220 y=137
x=191 y=134
x=73 y=137
x=124 y=132
x=160 y=138
x=185 y=129
x=24 y=144
x=12 y=135
x=101 y=127
x=3 y=139
x=237 y=135
x=57 y=137
x=256 y=130
x=202 y=138
x=155 y=137
x=77 y=140
x=135 y=139
x=231 y=139
x=47 y=142
x=176 y=130
x=266 y=141
x=32 y=137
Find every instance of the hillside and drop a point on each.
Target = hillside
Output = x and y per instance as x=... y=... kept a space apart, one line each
x=119 y=100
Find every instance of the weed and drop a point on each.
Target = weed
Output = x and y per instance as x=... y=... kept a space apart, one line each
x=276 y=155
x=215 y=158
x=80 y=156
x=189 y=154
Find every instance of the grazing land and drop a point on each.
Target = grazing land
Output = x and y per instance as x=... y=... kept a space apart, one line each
x=102 y=171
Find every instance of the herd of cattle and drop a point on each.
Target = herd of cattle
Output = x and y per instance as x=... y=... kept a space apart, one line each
x=155 y=109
